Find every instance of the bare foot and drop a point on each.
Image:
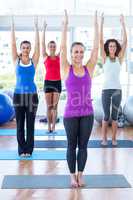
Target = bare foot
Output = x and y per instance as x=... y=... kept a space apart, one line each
x=49 y=128
x=27 y=155
x=80 y=180
x=22 y=155
x=74 y=183
x=104 y=143
x=53 y=128
x=114 y=142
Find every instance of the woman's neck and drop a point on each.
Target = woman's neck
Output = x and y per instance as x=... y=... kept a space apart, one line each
x=112 y=56
x=25 y=59
x=77 y=65
x=52 y=55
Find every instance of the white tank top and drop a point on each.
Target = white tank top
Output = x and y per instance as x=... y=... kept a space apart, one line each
x=111 y=74
x=27 y=65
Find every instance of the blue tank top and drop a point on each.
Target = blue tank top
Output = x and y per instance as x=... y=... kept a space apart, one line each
x=79 y=102
x=25 y=79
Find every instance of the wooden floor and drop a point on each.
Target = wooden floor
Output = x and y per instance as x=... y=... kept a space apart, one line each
x=100 y=161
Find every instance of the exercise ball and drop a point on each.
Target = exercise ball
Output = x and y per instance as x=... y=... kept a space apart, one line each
x=9 y=93
x=98 y=111
x=128 y=110
x=6 y=108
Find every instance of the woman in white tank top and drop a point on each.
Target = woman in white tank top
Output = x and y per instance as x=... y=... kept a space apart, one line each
x=112 y=53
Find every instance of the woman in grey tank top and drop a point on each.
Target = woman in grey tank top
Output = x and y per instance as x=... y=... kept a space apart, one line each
x=112 y=53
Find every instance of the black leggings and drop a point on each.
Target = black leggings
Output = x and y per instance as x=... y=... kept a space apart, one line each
x=25 y=109
x=111 y=98
x=78 y=130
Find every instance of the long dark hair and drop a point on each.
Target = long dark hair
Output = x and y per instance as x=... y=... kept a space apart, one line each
x=106 y=47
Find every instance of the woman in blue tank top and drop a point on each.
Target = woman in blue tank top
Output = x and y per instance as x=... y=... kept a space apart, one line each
x=78 y=116
x=112 y=53
x=25 y=93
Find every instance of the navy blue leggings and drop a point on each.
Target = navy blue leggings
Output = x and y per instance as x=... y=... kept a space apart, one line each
x=78 y=130
x=111 y=100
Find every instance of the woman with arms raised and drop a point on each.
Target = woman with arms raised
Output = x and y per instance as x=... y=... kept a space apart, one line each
x=25 y=93
x=78 y=116
x=52 y=80
x=112 y=54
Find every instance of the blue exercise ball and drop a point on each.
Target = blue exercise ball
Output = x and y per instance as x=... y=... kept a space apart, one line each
x=9 y=93
x=6 y=108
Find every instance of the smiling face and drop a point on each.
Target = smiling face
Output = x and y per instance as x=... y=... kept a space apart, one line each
x=25 y=48
x=112 y=48
x=77 y=53
x=52 y=47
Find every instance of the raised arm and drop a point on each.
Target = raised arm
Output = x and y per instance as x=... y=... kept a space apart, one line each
x=36 y=53
x=13 y=42
x=63 y=48
x=44 y=53
x=102 y=52
x=94 y=53
x=124 y=40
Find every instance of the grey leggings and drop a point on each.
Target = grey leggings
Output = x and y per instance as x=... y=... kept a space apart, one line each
x=111 y=100
x=78 y=130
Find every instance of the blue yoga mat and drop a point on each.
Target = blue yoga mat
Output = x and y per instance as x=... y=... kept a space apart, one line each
x=62 y=181
x=91 y=144
x=37 y=155
x=41 y=132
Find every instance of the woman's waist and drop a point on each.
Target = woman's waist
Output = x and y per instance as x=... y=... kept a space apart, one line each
x=25 y=83
x=70 y=112
x=78 y=105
